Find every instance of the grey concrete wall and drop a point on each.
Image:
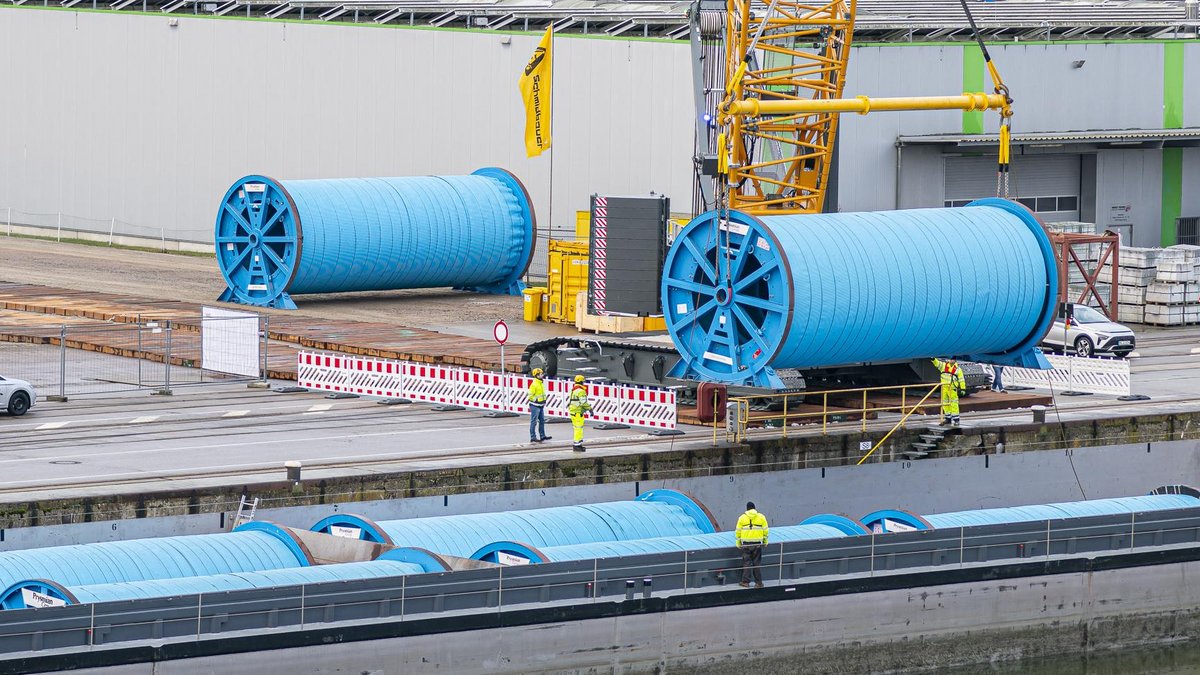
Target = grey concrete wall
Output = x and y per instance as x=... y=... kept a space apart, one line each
x=1133 y=178
x=1191 y=85
x=787 y=497
x=1050 y=95
x=1190 y=204
x=952 y=624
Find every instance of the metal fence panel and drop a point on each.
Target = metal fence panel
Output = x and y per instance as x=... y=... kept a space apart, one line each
x=76 y=359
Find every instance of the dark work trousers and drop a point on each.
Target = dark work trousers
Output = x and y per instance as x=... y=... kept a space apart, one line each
x=751 y=561
x=537 y=422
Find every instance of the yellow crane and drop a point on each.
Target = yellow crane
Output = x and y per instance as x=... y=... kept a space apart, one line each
x=770 y=107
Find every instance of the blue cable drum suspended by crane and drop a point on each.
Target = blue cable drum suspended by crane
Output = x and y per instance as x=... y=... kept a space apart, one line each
x=747 y=295
x=277 y=238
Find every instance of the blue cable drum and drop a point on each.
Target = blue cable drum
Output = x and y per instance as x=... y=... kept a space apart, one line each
x=157 y=558
x=655 y=513
x=276 y=238
x=16 y=595
x=823 y=290
x=1091 y=507
x=496 y=551
x=879 y=521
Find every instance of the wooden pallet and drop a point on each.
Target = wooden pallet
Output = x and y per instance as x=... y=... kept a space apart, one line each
x=31 y=311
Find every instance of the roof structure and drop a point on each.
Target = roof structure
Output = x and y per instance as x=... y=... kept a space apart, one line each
x=878 y=20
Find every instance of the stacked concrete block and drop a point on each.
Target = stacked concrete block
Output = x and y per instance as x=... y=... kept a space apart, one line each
x=1139 y=267
x=1172 y=298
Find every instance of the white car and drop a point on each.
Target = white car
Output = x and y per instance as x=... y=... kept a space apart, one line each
x=16 y=396
x=1090 y=333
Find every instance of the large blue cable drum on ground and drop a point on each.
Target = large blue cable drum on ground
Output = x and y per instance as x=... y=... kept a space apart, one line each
x=276 y=238
x=822 y=290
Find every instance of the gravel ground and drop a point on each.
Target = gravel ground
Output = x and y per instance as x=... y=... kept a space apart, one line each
x=197 y=279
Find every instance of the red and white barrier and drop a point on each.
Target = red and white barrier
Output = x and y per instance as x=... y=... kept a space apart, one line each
x=479 y=389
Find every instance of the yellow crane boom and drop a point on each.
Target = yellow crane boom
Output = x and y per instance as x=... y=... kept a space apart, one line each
x=777 y=118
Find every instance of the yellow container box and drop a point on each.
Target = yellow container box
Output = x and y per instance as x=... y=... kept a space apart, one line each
x=583 y=225
x=567 y=276
x=654 y=323
x=534 y=297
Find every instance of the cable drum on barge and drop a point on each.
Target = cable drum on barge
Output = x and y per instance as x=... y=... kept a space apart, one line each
x=750 y=295
x=276 y=238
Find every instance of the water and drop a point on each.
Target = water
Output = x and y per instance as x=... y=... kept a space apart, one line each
x=1177 y=659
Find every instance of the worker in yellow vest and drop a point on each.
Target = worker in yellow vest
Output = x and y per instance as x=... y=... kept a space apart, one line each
x=953 y=386
x=751 y=536
x=537 y=407
x=577 y=407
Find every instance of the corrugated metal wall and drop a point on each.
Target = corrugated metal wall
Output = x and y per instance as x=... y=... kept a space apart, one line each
x=112 y=115
x=118 y=115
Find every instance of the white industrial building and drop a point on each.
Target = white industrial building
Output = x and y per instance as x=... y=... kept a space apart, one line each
x=135 y=123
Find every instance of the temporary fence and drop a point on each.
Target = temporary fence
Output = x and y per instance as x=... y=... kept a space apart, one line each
x=634 y=405
x=1074 y=373
x=74 y=359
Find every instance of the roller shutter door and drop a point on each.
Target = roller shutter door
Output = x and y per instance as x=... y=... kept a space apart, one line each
x=1048 y=184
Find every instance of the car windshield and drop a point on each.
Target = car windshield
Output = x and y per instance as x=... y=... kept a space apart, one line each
x=1085 y=314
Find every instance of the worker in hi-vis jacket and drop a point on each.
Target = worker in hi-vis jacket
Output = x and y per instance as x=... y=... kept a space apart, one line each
x=577 y=407
x=537 y=407
x=953 y=386
x=751 y=536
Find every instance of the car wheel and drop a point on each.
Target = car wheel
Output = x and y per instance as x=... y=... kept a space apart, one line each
x=1122 y=354
x=19 y=404
x=1084 y=346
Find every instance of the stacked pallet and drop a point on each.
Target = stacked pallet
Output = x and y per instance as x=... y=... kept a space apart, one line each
x=1138 y=268
x=1171 y=299
x=1159 y=286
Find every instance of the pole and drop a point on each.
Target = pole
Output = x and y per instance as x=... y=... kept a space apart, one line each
x=199 y=613
x=141 y=354
x=302 y=607
x=167 y=361
x=266 y=344
x=504 y=372
x=781 y=563
x=550 y=220
x=112 y=226
x=62 y=363
x=60 y=226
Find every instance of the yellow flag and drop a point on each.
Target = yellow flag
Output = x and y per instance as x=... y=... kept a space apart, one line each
x=535 y=90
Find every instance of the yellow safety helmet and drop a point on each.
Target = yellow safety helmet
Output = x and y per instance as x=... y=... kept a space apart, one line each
x=537 y=372
x=578 y=379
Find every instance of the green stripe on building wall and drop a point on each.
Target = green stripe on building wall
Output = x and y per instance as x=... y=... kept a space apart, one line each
x=1172 y=158
x=972 y=82
x=1172 y=192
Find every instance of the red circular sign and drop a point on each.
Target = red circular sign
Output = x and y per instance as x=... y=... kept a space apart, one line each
x=500 y=332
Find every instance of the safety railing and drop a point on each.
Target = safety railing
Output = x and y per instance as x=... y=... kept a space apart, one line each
x=827 y=407
x=59 y=226
x=582 y=582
